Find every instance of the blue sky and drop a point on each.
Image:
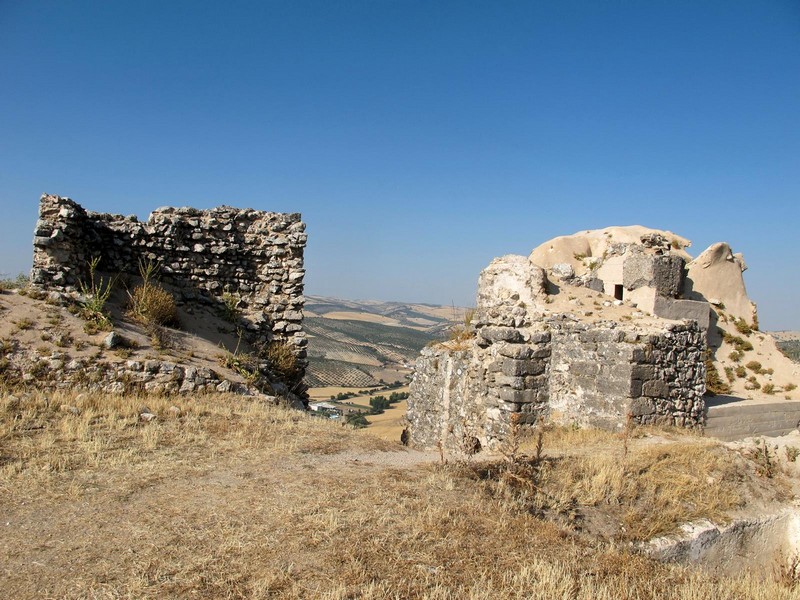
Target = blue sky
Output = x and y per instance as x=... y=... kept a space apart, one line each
x=418 y=139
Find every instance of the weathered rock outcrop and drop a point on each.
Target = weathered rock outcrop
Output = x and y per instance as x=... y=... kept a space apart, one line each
x=716 y=276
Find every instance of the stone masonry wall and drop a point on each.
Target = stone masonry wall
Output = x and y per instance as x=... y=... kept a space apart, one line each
x=255 y=256
x=571 y=373
x=525 y=365
x=602 y=374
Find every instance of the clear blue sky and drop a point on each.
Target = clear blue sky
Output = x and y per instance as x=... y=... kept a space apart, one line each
x=418 y=139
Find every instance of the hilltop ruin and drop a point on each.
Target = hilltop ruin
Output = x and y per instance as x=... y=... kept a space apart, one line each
x=595 y=329
x=247 y=261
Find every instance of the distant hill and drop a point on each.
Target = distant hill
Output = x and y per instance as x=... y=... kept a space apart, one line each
x=789 y=343
x=355 y=343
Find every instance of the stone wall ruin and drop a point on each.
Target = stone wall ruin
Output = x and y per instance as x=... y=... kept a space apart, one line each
x=254 y=256
x=563 y=354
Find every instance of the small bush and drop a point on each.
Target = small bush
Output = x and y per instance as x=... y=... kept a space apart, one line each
x=729 y=374
x=768 y=389
x=742 y=327
x=357 y=420
x=152 y=304
x=736 y=355
x=714 y=383
x=740 y=344
x=282 y=360
x=754 y=366
x=789 y=387
x=752 y=383
x=741 y=372
x=20 y=282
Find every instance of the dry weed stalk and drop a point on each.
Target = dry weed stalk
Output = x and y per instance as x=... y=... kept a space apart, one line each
x=786 y=572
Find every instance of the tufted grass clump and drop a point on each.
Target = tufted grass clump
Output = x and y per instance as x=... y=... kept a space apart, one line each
x=149 y=302
x=714 y=383
x=95 y=292
x=282 y=360
x=461 y=333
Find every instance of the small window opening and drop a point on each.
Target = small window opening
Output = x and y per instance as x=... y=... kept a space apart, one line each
x=618 y=291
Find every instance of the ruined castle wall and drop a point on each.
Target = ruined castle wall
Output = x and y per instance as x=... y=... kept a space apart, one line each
x=672 y=373
x=444 y=401
x=590 y=374
x=255 y=256
x=600 y=375
x=568 y=372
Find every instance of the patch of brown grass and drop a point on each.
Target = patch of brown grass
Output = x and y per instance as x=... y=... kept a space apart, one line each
x=153 y=305
x=226 y=497
x=648 y=486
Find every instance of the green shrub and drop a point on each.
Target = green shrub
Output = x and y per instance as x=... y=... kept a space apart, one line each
x=714 y=383
x=742 y=326
x=741 y=372
x=357 y=420
x=754 y=366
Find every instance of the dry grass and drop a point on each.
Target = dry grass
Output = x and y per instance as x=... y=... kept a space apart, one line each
x=282 y=360
x=646 y=487
x=230 y=498
x=153 y=305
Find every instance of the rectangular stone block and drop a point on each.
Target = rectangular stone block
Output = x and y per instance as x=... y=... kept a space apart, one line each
x=519 y=396
x=500 y=334
x=584 y=369
x=515 y=351
x=523 y=367
x=655 y=388
x=643 y=372
x=516 y=383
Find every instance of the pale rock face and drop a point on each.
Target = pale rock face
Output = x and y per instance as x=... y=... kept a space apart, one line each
x=717 y=274
x=511 y=279
x=580 y=248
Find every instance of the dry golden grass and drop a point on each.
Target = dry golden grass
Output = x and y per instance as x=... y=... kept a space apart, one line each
x=230 y=498
x=153 y=305
x=645 y=485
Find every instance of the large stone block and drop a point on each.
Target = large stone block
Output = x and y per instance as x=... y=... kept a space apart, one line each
x=655 y=389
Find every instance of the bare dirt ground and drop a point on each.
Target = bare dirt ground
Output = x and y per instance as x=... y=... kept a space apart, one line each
x=200 y=342
x=224 y=497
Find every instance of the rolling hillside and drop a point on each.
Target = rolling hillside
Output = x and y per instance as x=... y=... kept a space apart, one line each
x=355 y=343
